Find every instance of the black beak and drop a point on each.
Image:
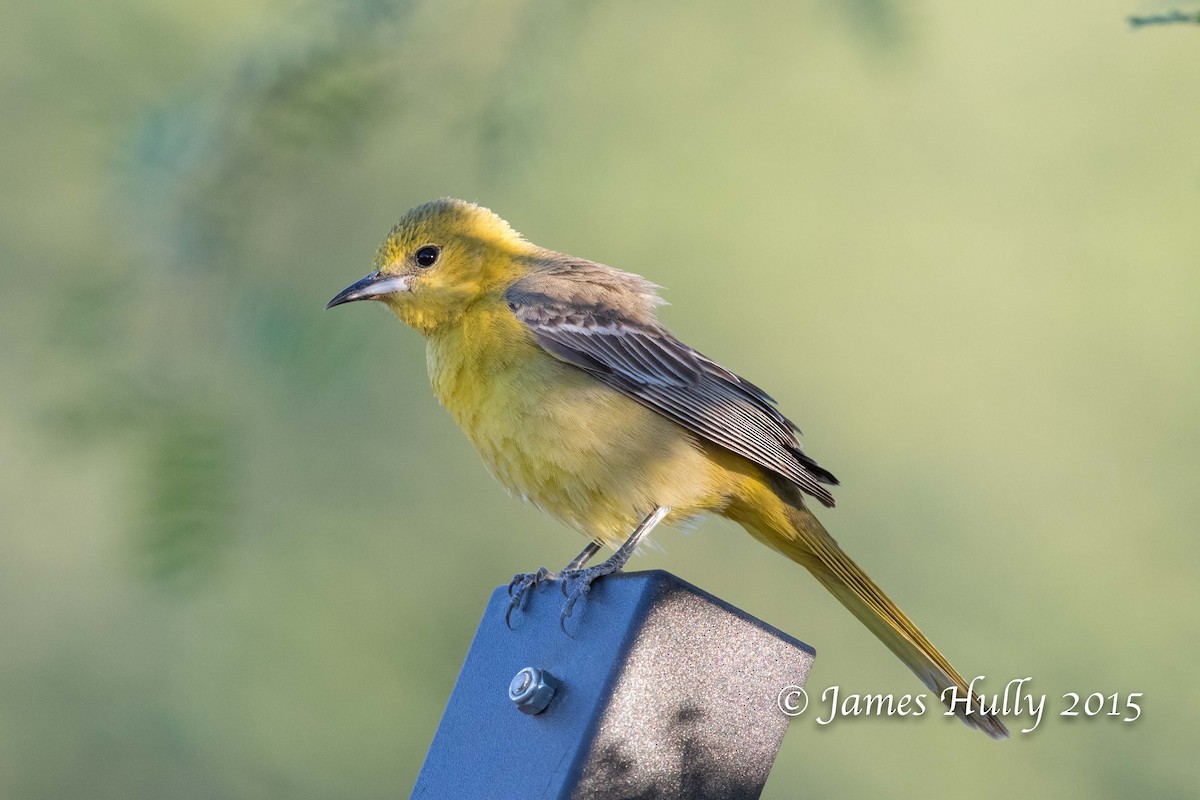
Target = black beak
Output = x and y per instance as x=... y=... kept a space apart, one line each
x=372 y=287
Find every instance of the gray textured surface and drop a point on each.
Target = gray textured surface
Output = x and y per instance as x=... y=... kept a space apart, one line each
x=666 y=692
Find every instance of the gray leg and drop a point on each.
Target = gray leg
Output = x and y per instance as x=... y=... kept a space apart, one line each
x=580 y=561
x=522 y=582
x=578 y=582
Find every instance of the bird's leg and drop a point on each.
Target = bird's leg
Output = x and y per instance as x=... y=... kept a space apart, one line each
x=522 y=582
x=580 y=561
x=577 y=581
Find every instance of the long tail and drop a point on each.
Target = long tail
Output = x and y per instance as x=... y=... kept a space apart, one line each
x=800 y=536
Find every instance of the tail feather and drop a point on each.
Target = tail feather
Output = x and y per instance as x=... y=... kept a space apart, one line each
x=809 y=544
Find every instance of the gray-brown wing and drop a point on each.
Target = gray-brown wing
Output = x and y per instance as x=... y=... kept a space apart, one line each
x=644 y=361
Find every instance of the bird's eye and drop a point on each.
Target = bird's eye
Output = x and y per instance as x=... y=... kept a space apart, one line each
x=427 y=256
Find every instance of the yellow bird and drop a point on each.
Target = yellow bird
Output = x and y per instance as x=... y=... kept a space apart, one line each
x=581 y=402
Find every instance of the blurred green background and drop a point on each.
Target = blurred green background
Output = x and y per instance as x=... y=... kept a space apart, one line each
x=242 y=550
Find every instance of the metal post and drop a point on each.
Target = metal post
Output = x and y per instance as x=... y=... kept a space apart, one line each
x=660 y=690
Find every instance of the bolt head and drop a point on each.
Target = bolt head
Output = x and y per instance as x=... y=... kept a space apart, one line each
x=532 y=689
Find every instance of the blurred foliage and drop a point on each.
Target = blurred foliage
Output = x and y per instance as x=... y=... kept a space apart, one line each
x=878 y=20
x=204 y=161
x=244 y=550
x=190 y=491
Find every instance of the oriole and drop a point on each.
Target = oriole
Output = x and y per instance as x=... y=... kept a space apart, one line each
x=578 y=400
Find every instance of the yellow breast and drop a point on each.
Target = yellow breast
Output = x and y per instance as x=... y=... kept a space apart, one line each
x=559 y=438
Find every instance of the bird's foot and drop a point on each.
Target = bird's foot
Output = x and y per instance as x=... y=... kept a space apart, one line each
x=519 y=586
x=577 y=583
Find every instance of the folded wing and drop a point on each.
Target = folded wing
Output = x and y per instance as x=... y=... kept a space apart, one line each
x=601 y=320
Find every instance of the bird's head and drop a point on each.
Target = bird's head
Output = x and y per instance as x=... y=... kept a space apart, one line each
x=439 y=259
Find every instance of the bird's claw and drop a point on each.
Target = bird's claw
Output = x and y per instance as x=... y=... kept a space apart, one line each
x=569 y=606
x=577 y=583
x=519 y=586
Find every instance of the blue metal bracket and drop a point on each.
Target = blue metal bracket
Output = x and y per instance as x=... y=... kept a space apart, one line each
x=659 y=690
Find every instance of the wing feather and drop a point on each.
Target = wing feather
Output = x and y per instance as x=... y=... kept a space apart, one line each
x=576 y=313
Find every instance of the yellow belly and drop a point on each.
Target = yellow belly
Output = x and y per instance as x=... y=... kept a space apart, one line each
x=557 y=437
